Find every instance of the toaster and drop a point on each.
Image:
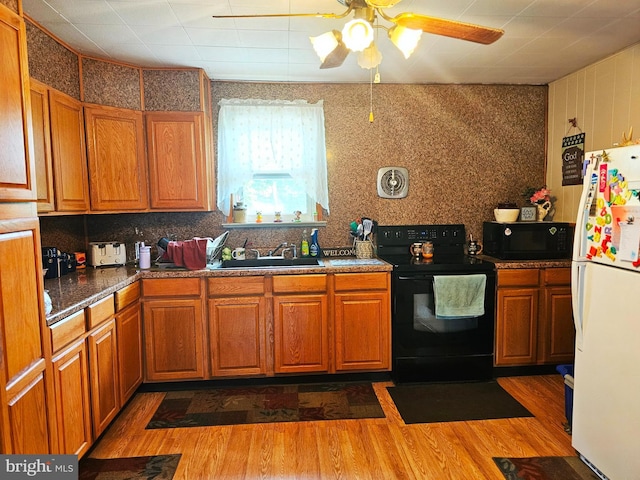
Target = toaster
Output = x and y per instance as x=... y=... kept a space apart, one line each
x=104 y=254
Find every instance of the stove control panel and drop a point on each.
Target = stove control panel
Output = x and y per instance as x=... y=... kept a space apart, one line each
x=397 y=235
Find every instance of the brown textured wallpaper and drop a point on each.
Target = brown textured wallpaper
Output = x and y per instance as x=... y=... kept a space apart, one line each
x=52 y=63
x=111 y=84
x=172 y=90
x=11 y=4
x=467 y=147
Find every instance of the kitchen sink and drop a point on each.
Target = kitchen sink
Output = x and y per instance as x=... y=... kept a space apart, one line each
x=267 y=262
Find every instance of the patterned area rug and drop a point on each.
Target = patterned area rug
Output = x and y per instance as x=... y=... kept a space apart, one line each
x=544 y=468
x=158 y=467
x=280 y=403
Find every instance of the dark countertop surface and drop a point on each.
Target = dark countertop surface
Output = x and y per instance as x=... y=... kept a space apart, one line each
x=502 y=264
x=84 y=287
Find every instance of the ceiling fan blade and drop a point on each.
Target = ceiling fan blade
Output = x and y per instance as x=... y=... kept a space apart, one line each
x=276 y=15
x=448 y=28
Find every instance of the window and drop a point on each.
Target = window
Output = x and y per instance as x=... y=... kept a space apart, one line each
x=272 y=157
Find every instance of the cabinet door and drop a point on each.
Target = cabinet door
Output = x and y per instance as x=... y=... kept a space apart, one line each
x=557 y=332
x=42 y=145
x=237 y=329
x=103 y=374
x=20 y=293
x=301 y=333
x=129 y=336
x=516 y=326
x=362 y=326
x=177 y=165
x=17 y=169
x=117 y=164
x=71 y=182
x=27 y=422
x=71 y=378
x=174 y=335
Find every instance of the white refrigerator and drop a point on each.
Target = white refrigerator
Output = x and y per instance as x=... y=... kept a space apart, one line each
x=606 y=308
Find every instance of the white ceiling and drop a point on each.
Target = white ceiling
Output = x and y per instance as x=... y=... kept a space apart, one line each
x=543 y=41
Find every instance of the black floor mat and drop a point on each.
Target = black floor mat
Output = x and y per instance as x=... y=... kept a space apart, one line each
x=455 y=402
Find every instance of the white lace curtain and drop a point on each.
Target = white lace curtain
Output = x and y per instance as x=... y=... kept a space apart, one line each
x=271 y=136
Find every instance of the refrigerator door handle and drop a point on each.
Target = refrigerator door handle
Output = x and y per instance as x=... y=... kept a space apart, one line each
x=577 y=302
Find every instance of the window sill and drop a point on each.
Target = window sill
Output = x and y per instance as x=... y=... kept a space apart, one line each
x=233 y=226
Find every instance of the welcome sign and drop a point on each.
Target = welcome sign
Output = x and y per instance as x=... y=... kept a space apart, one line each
x=572 y=159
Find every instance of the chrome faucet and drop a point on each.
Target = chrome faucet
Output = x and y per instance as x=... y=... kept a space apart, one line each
x=271 y=253
x=291 y=248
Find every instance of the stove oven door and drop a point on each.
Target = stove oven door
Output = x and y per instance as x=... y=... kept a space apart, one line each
x=431 y=348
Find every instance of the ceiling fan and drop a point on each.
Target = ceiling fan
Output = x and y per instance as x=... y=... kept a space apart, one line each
x=357 y=35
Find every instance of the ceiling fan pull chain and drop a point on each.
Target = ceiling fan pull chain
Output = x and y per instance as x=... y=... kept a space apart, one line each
x=371 y=95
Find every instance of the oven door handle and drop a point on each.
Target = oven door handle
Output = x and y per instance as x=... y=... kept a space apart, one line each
x=416 y=277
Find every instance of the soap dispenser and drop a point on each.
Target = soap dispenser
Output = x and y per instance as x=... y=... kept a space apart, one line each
x=304 y=245
x=314 y=248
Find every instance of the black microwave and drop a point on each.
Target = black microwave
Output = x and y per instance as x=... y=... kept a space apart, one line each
x=527 y=240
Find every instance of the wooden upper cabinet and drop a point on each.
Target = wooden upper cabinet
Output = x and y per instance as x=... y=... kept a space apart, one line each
x=116 y=157
x=177 y=161
x=42 y=146
x=71 y=181
x=17 y=169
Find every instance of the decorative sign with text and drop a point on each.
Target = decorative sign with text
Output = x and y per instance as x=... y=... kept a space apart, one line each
x=572 y=159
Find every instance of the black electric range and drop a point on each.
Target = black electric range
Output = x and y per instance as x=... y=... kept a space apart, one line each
x=394 y=243
x=427 y=347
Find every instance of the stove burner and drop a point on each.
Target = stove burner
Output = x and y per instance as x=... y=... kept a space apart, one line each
x=394 y=242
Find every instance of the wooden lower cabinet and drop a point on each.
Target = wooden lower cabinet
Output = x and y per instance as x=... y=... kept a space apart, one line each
x=517 y=326
x=27 y=429
x=129 y=336
x=557 y=335
x=237 y=326
x=300 y=324
x=362 y=316
x=103 y=375
x=72 y=399
x=534 y=323
x=174 y=330
x=129 y=339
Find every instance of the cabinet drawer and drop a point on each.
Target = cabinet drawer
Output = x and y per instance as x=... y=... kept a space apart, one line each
x=127 y=295
x=67 y=330
x=360 y=281
x=299 y=283
x=225 y=286
x=557 y=276
x=521 y=277
x=171 y=287
x=100 y=311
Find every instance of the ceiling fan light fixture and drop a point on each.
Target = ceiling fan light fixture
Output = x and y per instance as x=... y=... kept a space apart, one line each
x=370 y=57
x=405 y=39
x=357 y=34
x=326 y=43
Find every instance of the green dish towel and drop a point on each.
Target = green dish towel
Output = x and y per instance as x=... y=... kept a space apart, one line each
x=459 y=295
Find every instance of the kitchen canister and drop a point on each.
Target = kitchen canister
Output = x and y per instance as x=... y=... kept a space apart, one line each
x=363 y=248
x=239 y=213
x=145 y=257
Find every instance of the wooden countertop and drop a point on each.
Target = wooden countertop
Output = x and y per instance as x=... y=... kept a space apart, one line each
x=82 y=288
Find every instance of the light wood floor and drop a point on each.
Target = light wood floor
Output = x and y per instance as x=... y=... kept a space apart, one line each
x=351 y=449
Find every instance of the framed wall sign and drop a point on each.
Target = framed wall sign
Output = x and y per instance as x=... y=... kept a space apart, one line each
x=528 y=214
